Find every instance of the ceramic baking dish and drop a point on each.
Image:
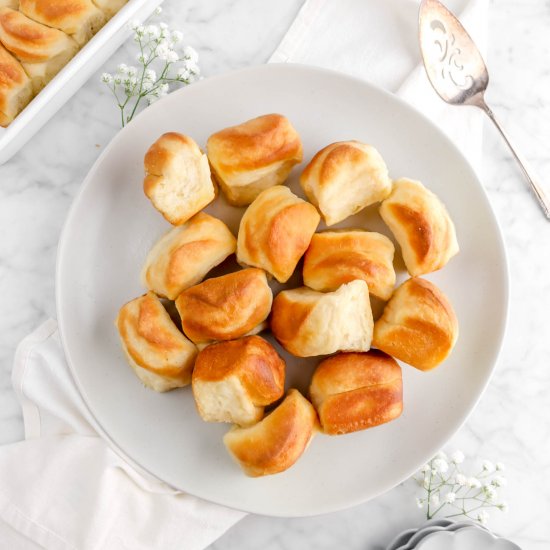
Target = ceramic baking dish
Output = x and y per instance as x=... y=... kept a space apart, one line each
x=72 y=77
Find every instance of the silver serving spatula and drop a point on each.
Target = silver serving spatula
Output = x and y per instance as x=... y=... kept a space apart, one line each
x=458 y=73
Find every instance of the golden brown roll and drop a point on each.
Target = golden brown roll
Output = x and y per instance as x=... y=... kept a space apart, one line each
x=177 y=177
x=345 y=177
x=278 y=441
x=252 y=156
x=78 y=18
x=356 y=391
x=308 y=323
x=184 y=255
x=43 y=51
x=275 y=231
x=226 y=307
x=418 y=326
x=421 y=225
x=159 y=353
x=233 y=381
x=110 y=7
x=15 y=87
x=337 y=257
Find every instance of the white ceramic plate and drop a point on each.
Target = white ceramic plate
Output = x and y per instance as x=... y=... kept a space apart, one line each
x=112 y=225
x=469 y=538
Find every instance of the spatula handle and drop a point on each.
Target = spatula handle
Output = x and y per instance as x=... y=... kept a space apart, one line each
x=536 y=188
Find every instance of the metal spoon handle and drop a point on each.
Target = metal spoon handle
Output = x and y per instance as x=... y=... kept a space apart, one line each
x=537 y=190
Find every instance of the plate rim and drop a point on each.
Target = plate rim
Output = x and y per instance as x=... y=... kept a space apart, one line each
x=330 y=73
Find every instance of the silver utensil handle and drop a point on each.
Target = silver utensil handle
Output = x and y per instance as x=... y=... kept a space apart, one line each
x=537 y=190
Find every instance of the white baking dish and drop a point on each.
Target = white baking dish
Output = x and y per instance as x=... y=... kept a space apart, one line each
x=72 y=77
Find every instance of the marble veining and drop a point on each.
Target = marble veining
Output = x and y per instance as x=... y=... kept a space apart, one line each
x=511 y=422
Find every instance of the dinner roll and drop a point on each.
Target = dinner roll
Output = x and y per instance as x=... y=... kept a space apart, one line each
x=184 y=255
x=78 y=18
x=233 y=381
x=177 y=177
x=159 y=353
x=43 y=51
x=275 y=231
x=421 y=225
x=15 y=87
x=337 y=257
x=356 y=391
x=418 y=325
x=226 y=307
x=307 y=322
x=110 y=7
x=252 y=156
x=345 y=177
x=278 y=441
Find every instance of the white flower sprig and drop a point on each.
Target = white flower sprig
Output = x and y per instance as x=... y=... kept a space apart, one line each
x=449 y=491
x=160 y=48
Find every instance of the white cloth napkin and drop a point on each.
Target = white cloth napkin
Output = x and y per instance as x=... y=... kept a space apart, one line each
x=63 y=488
x=377 y=40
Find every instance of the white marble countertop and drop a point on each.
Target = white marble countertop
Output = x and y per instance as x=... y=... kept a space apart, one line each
x=512 y=421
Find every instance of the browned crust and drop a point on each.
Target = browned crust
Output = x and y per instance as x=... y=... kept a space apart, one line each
x=339 y=154
x=56 y=12
x=286 y=316
x=226 y=307
x=254 y=360
x=25 y=30
x=354 y=391
x=277 y=442
x=422 y=337
x=418 y=228
x=289 y=235
x=150 y=320
x=254 y=144
x=338 y=257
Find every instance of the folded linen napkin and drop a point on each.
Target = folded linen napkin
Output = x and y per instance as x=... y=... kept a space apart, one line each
x=378 y=41
x=63 y=487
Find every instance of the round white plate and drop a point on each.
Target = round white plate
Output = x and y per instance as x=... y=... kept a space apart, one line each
x=112 y=225
x=469 y=538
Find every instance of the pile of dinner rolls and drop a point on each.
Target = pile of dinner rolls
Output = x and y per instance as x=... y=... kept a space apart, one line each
x=37 y=39
x=235 y=373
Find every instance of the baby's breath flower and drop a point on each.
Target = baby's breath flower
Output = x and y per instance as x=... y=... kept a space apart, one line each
x=446 y=494
x=457 y=457
x=499 y=466
x=440 y=465
x=450 y=497
x=172 y=56
x=503 y=507
x=460 y=479
x=152 y=31
x=176 y=37
x=483 y=517
x=490 y=492
x=499 y=481
x=158 y=10
x=473 y=482
x=190 y=54
x=157 y=54
x=150 y=74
